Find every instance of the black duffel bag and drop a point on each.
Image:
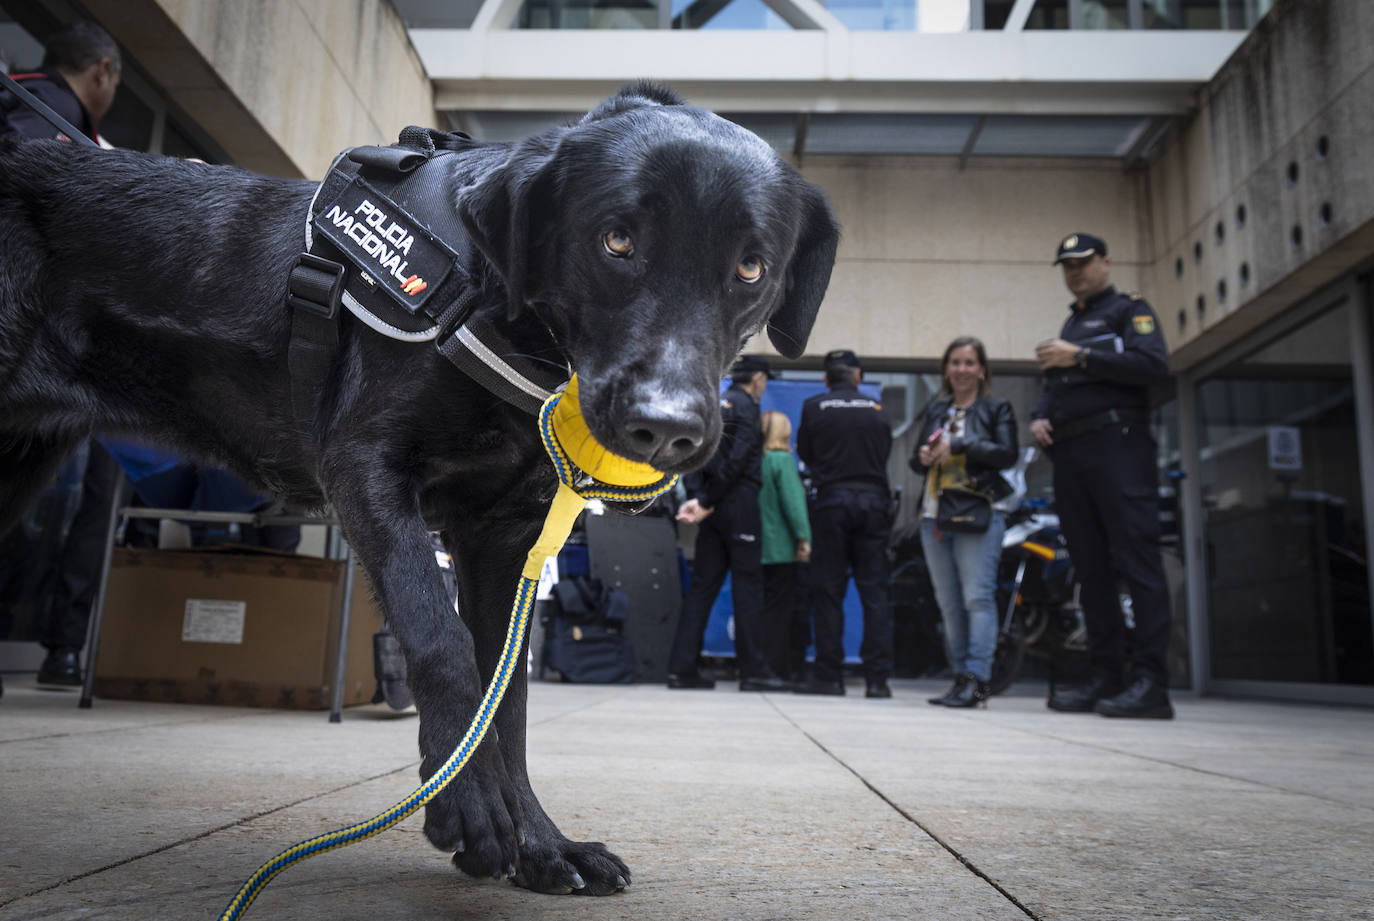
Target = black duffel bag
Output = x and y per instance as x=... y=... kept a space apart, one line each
x=583 y=633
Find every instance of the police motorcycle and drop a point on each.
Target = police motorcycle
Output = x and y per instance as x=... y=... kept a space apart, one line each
x=1037 y=594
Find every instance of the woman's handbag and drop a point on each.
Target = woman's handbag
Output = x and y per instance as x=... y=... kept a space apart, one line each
x=963 y=511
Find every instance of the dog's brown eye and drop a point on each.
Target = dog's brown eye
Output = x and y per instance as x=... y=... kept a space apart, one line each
x=618 y=243
x=749 y=270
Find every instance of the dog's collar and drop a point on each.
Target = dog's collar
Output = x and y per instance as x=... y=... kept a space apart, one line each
x=383 y=239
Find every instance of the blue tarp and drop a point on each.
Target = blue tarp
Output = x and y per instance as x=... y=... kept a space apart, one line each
x=164 y=480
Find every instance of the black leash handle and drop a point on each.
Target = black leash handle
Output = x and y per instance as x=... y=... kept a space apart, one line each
x=45 y=110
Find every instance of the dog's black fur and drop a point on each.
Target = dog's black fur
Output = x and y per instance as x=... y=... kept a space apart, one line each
x=144 y=295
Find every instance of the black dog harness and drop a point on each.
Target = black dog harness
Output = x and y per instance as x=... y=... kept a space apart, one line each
x=384 y=240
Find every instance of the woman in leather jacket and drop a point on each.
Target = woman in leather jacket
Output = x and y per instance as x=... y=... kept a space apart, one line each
x=967 y=437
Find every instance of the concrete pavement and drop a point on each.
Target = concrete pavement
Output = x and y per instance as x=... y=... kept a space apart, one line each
x=725 y=805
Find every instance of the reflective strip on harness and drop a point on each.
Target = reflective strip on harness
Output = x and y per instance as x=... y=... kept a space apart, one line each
x=476 y=358
x=377 y=324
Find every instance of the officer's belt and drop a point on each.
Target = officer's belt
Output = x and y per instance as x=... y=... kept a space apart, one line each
x=867 y=486
x=1074 y=428
x=384 y=240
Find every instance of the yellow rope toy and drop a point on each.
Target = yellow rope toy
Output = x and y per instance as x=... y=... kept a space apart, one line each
x=586 y=470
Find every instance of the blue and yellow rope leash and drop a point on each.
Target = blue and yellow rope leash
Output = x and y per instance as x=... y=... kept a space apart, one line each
x=586 y=470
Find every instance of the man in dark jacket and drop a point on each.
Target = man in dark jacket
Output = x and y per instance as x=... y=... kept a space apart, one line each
x=844 y=439
x=77 y=79
x=1093 y=420
x=726 y=507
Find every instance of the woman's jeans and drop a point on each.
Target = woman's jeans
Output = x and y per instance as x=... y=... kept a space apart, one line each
x=963 y=569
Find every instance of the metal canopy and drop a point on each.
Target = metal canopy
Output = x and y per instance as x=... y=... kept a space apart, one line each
x=818 y=87
x=874 y=134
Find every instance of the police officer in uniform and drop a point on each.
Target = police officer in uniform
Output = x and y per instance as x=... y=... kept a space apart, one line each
x=1092 y=419
x=844 y=439
x=725 y=505
x=78 y=80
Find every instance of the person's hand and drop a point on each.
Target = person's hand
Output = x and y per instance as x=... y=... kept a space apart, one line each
x=1056 y=353
x=923 y=456
x=939 y=452
x=693 y=512
x=1043 y=431
x=803 y=550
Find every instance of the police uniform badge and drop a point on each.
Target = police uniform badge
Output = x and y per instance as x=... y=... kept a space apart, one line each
x=1069 y=242
x=1144 y=324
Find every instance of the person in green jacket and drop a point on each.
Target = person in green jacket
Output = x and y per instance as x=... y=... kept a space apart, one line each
x=786 y=546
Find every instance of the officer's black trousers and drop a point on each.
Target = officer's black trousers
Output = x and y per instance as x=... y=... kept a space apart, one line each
x=1106 y=493
x=729 y=541
x=849 y=532
x=83 y=555
x=786 y=616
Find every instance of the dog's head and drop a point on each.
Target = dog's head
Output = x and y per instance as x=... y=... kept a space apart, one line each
x=654 y=238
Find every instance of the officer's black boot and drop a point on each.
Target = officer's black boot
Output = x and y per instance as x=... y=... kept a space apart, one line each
x=691 y=681
x=1082 y=698
x=830 y=686
x=764 y=683
x=1146 y=698
x=61 y=668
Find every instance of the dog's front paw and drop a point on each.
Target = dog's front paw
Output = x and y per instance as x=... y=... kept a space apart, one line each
x=477 y=817
x=582 y=867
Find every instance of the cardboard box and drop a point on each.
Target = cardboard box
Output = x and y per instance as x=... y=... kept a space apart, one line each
x=253 y=629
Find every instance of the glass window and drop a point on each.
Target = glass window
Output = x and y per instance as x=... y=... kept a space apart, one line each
x=1105 y=14
x=129 y=123
x=879 y=14
x=1203 y=14
x=1049 y=14
x=996 y=13
x=20 y=52
x=175 y=143
x=891 y=15
x=725 y=14
x=1287 y=565
x=589 y=14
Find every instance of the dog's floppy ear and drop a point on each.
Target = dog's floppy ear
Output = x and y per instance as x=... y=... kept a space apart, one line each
x=807 y=277
x=496 y=213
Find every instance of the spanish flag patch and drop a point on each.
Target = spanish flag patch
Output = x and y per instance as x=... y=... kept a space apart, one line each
x=1144 y=325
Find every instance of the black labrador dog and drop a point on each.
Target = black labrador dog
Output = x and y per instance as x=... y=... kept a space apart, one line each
x=145 y=295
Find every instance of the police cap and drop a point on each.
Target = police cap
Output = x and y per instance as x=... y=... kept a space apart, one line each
x=841 y=358
x=1079 y=246
x=748 y=364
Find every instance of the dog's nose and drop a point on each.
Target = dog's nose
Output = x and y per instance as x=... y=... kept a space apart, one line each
x=664 y=437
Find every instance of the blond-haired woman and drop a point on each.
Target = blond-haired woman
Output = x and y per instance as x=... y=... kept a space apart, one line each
x=967 y=438
x=786 y=546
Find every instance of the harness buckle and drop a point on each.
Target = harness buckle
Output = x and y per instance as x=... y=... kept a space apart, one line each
x=315 y=285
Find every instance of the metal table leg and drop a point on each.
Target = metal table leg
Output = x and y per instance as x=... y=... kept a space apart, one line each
x=98 y=608
x=337 y=688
